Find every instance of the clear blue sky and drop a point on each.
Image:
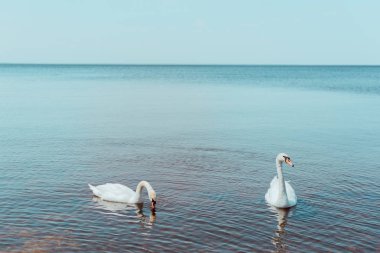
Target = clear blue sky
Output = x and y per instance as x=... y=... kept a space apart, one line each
x=190 y=31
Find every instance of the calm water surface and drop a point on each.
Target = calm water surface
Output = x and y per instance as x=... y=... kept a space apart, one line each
x=206 y=138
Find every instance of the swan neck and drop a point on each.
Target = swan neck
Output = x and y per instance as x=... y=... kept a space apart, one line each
x=144 y=184
x=279 y=170
x=280 y=177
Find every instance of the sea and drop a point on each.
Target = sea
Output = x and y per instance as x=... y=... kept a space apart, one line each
x=206 y=138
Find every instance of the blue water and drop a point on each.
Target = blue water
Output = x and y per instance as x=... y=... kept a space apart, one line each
x=206 y=138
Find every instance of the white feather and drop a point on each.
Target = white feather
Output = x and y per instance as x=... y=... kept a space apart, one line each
x=121 y=193
x=280 y=193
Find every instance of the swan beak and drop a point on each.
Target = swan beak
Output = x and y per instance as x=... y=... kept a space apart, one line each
x=289 y=162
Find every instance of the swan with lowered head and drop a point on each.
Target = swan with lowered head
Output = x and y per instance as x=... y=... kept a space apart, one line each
x=280 y=193
x=123 y=194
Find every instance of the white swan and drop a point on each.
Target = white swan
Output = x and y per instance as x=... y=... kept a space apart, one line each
x=123 y=194
x=280 y=193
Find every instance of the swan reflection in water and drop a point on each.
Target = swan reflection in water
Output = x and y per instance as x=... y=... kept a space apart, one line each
x=116 y=207
x=282 y=215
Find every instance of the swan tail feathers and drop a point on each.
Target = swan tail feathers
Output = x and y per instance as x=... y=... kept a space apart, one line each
x=94 y=190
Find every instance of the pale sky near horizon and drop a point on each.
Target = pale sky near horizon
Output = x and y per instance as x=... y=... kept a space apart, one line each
x=190 y=32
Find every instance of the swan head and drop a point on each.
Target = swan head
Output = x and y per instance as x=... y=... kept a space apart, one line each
x=282 y=157
x=153 y=201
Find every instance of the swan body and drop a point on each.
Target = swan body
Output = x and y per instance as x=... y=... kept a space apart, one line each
x=123 y=194
x=280 y=193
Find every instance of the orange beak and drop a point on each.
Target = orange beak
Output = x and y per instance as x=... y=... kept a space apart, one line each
x=289 y=162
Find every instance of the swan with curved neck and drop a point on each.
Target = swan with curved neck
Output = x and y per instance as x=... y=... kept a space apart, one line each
x=123 y=194
x=280 y=193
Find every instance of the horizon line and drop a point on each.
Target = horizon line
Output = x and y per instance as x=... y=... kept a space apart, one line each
x=188 y=64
